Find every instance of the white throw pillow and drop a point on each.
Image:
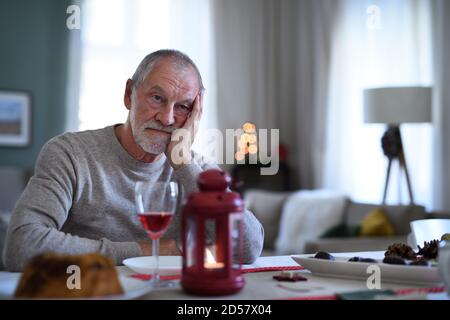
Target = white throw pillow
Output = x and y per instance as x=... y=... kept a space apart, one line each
x=305 y=216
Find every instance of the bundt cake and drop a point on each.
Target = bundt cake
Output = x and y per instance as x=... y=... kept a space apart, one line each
x=50 y=275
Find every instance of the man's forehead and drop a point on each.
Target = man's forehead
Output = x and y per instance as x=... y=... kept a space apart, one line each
x=185 y=93
x=173 y=83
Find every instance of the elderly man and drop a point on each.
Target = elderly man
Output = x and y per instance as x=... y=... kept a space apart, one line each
x=80 y=198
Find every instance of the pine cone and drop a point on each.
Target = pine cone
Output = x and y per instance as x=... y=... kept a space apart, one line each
x=400 y=250
x=429 y=250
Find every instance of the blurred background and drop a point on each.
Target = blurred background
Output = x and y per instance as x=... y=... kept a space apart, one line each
x=300 y=66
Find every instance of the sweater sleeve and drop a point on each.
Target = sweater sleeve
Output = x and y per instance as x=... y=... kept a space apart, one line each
x=253 y=231
x=43 y=209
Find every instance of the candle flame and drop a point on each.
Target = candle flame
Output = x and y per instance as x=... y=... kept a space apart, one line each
x=209 y=256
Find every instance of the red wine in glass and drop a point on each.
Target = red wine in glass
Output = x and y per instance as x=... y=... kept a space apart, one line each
x=155 y=223
x=155 y=207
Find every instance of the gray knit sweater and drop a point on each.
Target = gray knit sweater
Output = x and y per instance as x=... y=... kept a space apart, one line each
x=81 y=200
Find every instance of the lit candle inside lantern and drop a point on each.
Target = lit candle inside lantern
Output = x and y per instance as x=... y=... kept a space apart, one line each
x=211 y=263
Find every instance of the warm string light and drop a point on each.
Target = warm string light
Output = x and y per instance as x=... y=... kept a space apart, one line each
x=247 y=143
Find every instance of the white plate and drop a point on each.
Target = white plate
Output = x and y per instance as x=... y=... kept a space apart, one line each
x=168 y=265
x=341 y=268
x=133 y=288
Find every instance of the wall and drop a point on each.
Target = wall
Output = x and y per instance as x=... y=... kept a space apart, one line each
x=33 y=57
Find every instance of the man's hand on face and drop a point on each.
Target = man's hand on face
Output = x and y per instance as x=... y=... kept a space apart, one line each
x=167 y=247
x=178 y=151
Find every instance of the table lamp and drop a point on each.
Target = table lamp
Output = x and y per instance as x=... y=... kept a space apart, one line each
x=394 y=106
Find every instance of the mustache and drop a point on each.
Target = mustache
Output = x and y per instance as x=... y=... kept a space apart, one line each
x=158 y=126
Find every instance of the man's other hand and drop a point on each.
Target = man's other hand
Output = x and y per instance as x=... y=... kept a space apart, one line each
x=167 y=247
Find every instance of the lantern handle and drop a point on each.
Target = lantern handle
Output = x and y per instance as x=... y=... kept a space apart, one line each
x=214 y=180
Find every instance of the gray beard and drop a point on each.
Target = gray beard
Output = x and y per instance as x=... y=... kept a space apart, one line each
x=153 y=144
x=150 y=143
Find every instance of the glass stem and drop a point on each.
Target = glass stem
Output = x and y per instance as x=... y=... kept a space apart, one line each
x=155 y=250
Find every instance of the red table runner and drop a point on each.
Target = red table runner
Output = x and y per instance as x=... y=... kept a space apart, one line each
x=267 y=269
x=146 y=277
x=141 y=276
x=399 y=292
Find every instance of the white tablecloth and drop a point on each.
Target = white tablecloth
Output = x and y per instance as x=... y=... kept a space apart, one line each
x=261 y=285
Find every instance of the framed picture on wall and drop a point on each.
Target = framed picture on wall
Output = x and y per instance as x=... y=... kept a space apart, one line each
x=15 y=118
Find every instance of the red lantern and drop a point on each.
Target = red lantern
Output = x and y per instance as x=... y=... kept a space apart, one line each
x=212 y=237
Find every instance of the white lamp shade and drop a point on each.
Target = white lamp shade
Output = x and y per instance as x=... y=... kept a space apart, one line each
x=397 y=105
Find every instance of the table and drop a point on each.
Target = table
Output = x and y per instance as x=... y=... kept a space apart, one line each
x=261 y=286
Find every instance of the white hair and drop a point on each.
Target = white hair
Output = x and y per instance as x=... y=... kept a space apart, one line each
x=180 y=60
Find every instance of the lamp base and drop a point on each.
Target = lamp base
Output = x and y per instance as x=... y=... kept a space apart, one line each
x=392 y=145
x=214 y=287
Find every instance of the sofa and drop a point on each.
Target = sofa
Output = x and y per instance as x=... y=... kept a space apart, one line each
x=12 y=183
x=268 y=208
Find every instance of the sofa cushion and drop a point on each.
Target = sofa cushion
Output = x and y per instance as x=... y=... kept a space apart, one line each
x=376 y=223
x=399 y=215
x=267 y=206
x=341 y=230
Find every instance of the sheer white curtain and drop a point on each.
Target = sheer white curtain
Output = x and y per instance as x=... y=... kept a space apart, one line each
x=273 y=58
x=118 y=34
x=394 y=49
x=441 y=112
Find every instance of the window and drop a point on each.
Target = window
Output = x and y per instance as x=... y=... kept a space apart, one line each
x=395 y=51
x=118 y=34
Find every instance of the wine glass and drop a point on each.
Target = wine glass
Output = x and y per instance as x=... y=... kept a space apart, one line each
x=156 y=203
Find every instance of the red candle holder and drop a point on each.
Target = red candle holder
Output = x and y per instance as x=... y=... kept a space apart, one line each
x=212 y=237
